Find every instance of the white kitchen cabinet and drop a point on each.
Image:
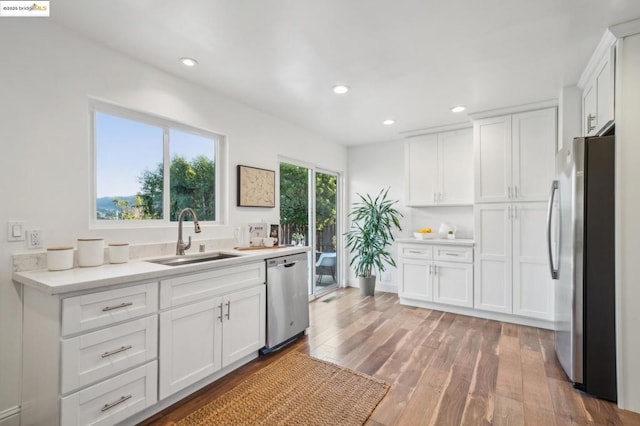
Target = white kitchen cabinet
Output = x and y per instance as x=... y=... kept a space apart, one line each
x=598 y=88
x=244 y=323
x=511 y=271
x=432 y=273
x=415 y=279
x=453 y=283
x=199 y=338
x=89 y=358
x=514 y=156
x=439 y=169
x=190 y=344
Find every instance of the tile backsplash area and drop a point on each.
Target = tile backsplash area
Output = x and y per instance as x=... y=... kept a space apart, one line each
x=32 y=261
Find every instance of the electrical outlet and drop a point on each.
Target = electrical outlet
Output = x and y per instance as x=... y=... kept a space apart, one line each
x=34 y=238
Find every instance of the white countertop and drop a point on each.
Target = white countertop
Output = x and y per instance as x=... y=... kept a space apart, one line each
x=78 y=279
x=439 y=241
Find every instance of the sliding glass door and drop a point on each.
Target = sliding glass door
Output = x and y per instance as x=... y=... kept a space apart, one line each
x=309 y=200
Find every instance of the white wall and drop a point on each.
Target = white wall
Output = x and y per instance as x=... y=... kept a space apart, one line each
x=376 y=166
x=46 y=77
x=628 y=222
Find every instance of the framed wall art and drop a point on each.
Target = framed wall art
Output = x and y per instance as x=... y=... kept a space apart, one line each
x=256 y=187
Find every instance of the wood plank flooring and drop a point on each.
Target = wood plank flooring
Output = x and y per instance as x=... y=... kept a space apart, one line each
x=444 y=369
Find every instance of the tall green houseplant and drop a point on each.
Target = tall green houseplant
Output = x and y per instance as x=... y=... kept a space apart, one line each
x=372 y=222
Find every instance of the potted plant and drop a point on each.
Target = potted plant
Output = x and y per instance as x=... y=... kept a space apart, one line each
x=372 y=223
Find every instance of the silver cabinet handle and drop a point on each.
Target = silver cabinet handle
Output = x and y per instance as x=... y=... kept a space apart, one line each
x=220 y=307
x=120 y=306
x=509 y=212
x=414 y=252
x=452 y=254
x=435 y=269
x=590 y=119
x=508 y=192
x=117 y=351
x=122 y=399
x=515 y=191
x=228 y=315
x=430 y=265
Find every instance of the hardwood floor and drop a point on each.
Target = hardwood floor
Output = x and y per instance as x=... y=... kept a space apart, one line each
x=444 y=369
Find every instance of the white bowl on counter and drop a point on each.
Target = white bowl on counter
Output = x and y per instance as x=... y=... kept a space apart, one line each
x=423 y=236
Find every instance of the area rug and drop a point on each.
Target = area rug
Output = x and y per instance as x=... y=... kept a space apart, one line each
x=295 y=390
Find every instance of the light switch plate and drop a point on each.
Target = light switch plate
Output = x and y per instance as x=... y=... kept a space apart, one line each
x=15 y=230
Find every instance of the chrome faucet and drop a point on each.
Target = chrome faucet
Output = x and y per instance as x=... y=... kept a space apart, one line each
x=180 y=246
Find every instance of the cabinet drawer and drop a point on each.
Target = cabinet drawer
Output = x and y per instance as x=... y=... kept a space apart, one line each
x=415 y=251
x=113 y=400
x=192 y=288
x=453 y=254
x=82 y=313
x=91 y=357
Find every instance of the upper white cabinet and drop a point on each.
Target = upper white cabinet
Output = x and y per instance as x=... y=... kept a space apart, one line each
x=439 y=169
x=598 y=88
x=514 y=156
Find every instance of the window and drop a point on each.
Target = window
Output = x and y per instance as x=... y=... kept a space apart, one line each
x=147 y=169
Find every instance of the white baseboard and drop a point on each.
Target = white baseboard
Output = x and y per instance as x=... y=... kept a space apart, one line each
x=10 y=416
x=514 y=319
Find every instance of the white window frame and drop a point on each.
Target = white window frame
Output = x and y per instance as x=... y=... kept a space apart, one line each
x=99 y=106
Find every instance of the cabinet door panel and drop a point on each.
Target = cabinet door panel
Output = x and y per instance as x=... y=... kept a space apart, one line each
x=244 y=323
x=492 y=159
x=421 y=159
x=533 y=290
x=453 y=283
x=534 y=148
x=455 y=150
x=190 y=344
x=590 y=108
x=605 y=90
x=493 y=251
x=415 y=279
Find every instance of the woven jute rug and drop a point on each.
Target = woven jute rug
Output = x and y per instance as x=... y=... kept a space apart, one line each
x=295 y=390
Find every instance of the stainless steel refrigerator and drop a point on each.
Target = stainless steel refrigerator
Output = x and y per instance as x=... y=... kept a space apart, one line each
x=580 y=237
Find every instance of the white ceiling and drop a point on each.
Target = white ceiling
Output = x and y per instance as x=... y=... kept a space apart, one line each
x=405 y=59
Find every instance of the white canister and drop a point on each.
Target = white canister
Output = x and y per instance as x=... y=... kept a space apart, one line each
x=118 y=252
x=59 y=258
x=90 y=251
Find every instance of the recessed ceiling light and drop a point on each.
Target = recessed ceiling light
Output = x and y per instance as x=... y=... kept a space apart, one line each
x=389 y=122
x=340 y=89
x=458 y=108
x=188 y=62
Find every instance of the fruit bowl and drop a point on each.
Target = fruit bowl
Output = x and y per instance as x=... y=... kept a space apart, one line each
x=423 y=235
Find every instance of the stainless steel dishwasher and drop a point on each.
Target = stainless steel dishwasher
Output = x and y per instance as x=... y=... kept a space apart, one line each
x=287 y=300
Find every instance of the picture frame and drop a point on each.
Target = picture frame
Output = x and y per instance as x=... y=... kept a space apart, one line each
x=256 y=187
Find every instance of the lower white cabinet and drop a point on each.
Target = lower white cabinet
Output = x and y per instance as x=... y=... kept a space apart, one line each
x=198 y=339
x=432 y=273
x=511 y=270
x=99 y=357
x=453 y=283
x=112 y=400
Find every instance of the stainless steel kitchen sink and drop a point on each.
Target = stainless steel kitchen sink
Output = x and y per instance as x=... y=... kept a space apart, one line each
x=187 y=260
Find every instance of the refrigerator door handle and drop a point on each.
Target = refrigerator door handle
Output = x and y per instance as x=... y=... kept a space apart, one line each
x=554 y=189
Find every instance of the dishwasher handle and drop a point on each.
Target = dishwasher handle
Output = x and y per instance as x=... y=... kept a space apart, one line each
x=287 y=265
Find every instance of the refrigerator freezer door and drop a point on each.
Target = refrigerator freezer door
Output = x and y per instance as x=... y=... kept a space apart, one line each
x=568 y=318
